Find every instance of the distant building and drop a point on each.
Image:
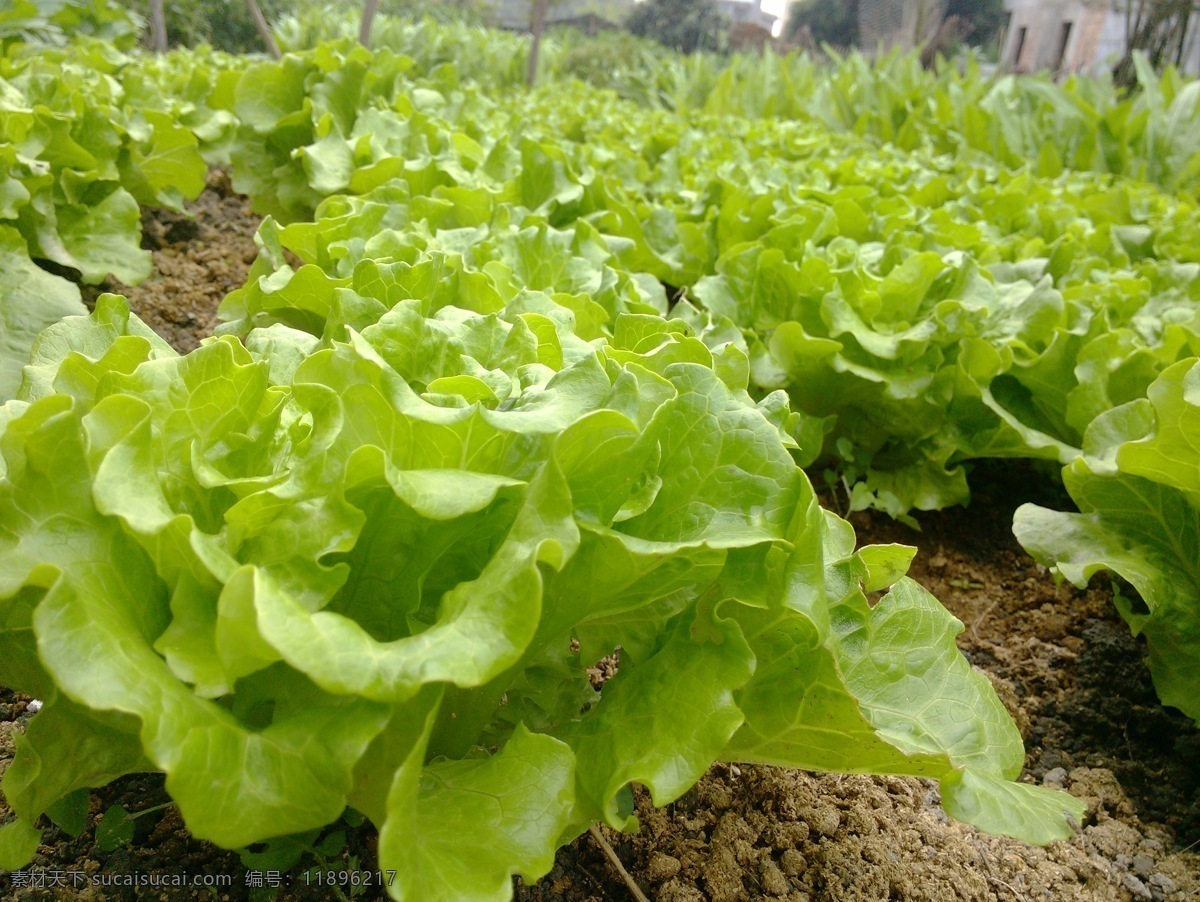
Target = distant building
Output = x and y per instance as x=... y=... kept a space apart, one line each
x=1086 y=36
x=518 y=14
x=747 y=12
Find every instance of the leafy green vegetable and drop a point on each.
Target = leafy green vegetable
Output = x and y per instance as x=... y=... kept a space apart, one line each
x=362 y=570
x=1138 y=491
x=446 y=435
x=921 y=312
x=57 y=22
x=1083 y=124
x=86 y=136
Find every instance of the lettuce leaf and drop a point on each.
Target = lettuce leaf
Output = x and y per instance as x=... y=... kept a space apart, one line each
x=30 y=300
x=1138 y=491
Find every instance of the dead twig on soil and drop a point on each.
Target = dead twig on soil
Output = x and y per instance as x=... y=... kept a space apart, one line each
x=994 y=878
x=1128 y=743
x=634 y=889
x=978 y=620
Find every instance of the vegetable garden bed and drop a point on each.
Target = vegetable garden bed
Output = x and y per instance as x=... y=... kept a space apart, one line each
x=1065 y=665
x=481 y=519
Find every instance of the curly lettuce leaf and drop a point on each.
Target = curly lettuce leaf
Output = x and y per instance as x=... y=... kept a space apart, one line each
x=1138 y=492
x=30 y=300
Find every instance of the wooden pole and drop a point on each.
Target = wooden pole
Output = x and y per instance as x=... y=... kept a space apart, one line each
x=158 y=27
x=263 y=29
x=368 y=17
x=539 y=25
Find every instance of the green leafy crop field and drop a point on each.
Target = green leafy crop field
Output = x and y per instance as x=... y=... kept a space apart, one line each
x=521 y=380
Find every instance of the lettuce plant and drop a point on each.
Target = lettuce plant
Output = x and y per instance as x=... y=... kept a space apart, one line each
x=296 y=576
x=79 y=157
x=1137 y=486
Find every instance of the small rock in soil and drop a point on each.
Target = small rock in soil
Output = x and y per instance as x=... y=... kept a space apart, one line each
x=1143 y=865
x=825 y=821
x=662 y=867
x=1056 y=777
x=772 y=880
x=1162 y=882
x=1138 y=889
x=792 y=862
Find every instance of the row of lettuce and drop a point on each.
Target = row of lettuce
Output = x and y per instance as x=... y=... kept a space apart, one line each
x=921 y=310
x=518 y=380
x=143 y=113
x=1086 y=124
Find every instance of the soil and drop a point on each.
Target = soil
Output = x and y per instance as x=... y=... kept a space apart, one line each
x=1064 y=663
x=198 y=258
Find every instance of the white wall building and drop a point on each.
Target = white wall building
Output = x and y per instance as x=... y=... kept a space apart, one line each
x=1086 y=36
